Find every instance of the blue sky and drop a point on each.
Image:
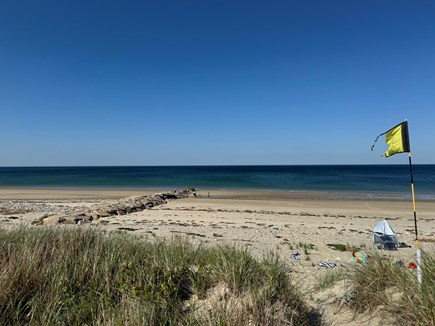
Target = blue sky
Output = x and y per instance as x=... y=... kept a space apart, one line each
x=214 y=82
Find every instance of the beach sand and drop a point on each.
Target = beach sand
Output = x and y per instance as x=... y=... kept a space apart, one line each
x=262 y=222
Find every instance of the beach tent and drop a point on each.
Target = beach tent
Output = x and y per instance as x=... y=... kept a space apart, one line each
x=384 y=236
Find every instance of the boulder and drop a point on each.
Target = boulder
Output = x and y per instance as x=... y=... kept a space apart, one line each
x=82 y=217
x=170 y=195
x=145 y=202
x=121 y=206
x=53 y=219
x=101 y=212
x=95 y=216
x=112 y=210
x=70 y=220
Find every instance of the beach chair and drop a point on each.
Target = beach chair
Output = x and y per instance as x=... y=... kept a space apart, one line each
x=384 y=236
x=388 y=242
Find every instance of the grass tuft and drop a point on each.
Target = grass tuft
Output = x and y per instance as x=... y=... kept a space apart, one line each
x=394 y=290
x=63 y=276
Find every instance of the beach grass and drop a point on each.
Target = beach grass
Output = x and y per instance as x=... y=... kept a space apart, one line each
x=329 y=279
x=72 y=276
x=391 y=288
x=84 y=276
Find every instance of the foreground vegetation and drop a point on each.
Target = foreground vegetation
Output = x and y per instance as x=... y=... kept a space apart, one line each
x=393 y=289
x=59 y=276
x=388 y=288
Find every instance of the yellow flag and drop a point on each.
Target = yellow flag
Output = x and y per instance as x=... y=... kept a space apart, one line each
x=397 y=138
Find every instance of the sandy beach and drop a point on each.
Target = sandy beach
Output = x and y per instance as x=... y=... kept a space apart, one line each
x=262 y=222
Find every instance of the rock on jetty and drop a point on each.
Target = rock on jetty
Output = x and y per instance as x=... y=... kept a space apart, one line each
x=123 y=206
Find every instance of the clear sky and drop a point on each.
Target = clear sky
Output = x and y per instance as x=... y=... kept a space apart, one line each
x=172 y=82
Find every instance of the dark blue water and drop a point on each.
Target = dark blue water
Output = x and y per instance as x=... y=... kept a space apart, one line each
x=360 y=180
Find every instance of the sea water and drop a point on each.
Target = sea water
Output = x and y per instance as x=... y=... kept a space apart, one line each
x=360 y=181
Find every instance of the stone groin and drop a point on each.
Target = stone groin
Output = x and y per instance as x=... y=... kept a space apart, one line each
x=123 y=206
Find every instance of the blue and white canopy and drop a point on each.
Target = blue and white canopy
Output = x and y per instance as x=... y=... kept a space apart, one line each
x=383 y=228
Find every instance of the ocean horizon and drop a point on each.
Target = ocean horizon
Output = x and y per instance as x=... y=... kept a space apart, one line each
x=361 y=181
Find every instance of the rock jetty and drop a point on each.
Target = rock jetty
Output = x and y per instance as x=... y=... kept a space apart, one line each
x=122 y=207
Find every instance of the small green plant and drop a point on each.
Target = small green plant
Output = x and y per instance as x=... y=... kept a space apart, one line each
x=328 y=279
x=337 y=246
x=308 y=247
x=304 y=246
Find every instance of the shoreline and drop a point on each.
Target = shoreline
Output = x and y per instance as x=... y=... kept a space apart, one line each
x=312 y=202
x=78 y=193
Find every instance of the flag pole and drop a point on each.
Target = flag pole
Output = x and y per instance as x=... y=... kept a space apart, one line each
x=398 y=140
x=419 y=273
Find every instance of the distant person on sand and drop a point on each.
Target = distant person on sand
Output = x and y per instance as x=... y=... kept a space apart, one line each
x=208 y=194
x=194 y=193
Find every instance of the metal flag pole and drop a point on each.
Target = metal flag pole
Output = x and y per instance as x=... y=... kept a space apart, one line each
x=419 y=272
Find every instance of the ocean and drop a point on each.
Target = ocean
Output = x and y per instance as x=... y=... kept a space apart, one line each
x=360 y=181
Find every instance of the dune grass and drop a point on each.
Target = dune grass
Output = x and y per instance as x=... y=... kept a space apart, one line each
x=390 y=289
x=77 y=276
x=63 y=276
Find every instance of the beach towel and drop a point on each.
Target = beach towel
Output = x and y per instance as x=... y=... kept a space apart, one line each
x=327 y=264
x=359 y=257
